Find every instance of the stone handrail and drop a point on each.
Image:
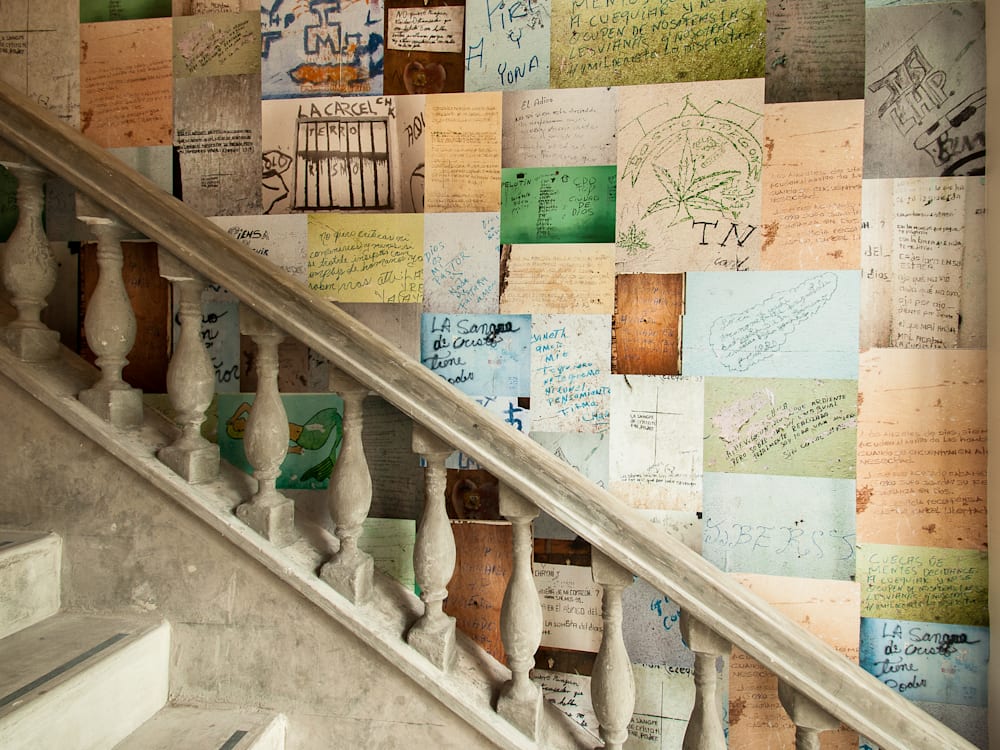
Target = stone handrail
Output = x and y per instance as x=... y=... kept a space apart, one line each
x=715 y=606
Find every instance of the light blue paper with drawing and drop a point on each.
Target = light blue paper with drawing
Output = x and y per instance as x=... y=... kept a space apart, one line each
x=507 y=46
x=786 y=324
x=481 y=355
x=927 y=661
x=789 y=526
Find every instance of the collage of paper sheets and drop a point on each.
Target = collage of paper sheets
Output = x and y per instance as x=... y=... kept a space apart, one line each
x=726 y=257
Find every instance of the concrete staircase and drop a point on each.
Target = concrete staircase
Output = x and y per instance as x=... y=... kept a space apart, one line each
x=85 y=682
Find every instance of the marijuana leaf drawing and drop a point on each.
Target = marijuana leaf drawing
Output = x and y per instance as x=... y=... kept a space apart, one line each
x=689 y=190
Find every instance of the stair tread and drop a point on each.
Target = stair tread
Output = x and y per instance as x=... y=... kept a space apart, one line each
x=30 y=563
x=10 y=538
x=34 y=660
x=201 y=729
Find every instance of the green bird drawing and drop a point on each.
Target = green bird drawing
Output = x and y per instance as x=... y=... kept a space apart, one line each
x=312 y=435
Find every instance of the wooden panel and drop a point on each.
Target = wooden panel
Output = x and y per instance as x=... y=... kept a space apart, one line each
x=149 y=294
x=483 y=566
x=645 y=329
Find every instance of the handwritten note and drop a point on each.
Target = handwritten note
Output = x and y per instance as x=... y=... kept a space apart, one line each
x=651 y=626
x=397 y=479
x=220 y=162
x=925 y=95
x=571 y=127
x=220 y=335
x=483 y=567
x=921 y=235
x=462 y=153
x=461 y=263
x=390 y=542
x=815 y=51
x=926 y=661
x=353 y=259
x=427 y=29
x=570 y=371
x=663 y=703
x=570 y=693
x=656 y=441
x=587 y=452
x=558 y=279
x=40 y=54
x=689 y=176
x=789 y=526
x=812 y=207
x=781 y=426
x=645 y=329
x=506 y=409
x=602 y=44
x=507 y=47
x=569 y=204
x=756 y=718
x=485 y=355
x=779 y=324
x=217 y=44
x=571 y=607
x=922 y=448
x=126 y=82
x=927 y=584
x=123 y=10
x=281 y=239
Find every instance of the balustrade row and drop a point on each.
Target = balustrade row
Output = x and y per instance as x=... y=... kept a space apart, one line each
x=29 y=275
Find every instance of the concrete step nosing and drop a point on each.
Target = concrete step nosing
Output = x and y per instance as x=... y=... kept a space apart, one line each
x=96 y=703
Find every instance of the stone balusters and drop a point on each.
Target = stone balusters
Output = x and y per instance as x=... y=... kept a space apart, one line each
x=704 y=729
x=612 y=684
x=520 y=700
x=810 y=720
x=351 y=570
x=433 y=635
x=29 y=268
x=265 y=437
x=190 y=378
x=109 y=322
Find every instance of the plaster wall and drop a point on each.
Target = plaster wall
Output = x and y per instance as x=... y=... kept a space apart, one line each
x=240 y=637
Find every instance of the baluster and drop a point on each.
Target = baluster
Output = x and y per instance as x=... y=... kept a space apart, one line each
x=351 y=570
x=109 y=322
x=433 y=635
x=520 y=700
x=265 y=438
x=810 y=719
x=704 y=729
x=29 y=268
x=190 y=379
x=612 y=685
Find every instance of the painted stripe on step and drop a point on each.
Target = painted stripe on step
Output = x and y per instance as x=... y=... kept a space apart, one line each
x=234 y=739
x=22 y=691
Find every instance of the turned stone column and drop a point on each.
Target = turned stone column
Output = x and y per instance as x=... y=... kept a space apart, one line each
x=433 y=635
x=109 y=323
x=520 y=700
x=704 y=729
x=810 y=720
x=351 y=570
x=29 y=269
x=265 y=438
x=612 y=684
x=190 y=379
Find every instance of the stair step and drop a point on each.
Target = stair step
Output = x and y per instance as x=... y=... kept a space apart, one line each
x=29 y=578
x=81 y=682
x=208 y=729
